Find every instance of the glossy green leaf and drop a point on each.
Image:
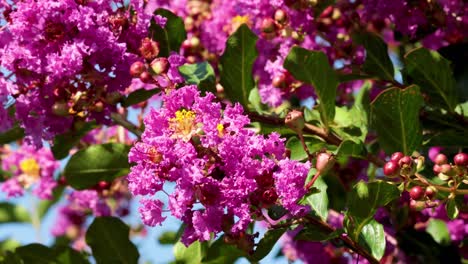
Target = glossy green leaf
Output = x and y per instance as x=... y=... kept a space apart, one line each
x=36 y=253
x=439 y=231
x=395 y=116
x=432 y=72
x=349 y=148
x=65 y=142
x=170 y=37
x=315 y=233
x=109 y=240
x=452 y=209
x=312 y=67
x=168 y=238
x=237 y=63
x=318 y=201
x=373 y=238
x=139 y=96
x=219 y=253
x=192 y=254
x=11 y=213
x=70 y=256
x=377 y=61
x=8 y=244
x=363 y=202
x=267 y=242
x=200 y=74
x=97 y=163
x=14 y=133
x=297 y=150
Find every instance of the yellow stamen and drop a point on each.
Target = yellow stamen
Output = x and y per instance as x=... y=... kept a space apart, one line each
x=30 y=167
x=183 y=124
x=220 y=128
x=240 y=20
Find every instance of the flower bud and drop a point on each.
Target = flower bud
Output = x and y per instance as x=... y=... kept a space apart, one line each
x=149 y=48
x=391 y=169
x=417 y=205
x=159 y=65
x=268 y=25
x=397 y=156
x=269 y=197
x=295 y=121
x=461 y=159
x=281 y=16
x=431 y=192
x=146 y=77
x=440 y=159
x=279 y=81
x=324 y=162
x=417 y=193
x=137 y=68
x=60 y=109
x=436 y=169
x=406 y=160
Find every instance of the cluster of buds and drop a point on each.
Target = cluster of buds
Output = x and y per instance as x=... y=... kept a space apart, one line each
x=153 y=67
x=422 y=197
x=452 y=172
x=401 y=165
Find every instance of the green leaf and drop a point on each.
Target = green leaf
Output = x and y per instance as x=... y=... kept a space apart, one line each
x=439 y=231
x=352 y=149
x=200 y=74
x=14 y=133
x=315 y=233
x=36 y=253
x=297 y=150
x=167 y=238
x=363 y=202
x=312 y=67
x=275 y=212
x=70 y=256
x=256 y=101
x=373 y=238
x=377 y=61
x=237 y=63
x=11 y=213
x=65 y=142
x=139 y=96
x=170 y=37
x=109 y=240
x=97 y=163
x=452 y=209
x=192 y=254
x=395 y=116
x=318 y=201
x=432 y=72
x=267 y=242
x=219 y=253
x=8 y=244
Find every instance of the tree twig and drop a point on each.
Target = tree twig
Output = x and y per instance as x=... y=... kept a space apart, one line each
x=120 y=120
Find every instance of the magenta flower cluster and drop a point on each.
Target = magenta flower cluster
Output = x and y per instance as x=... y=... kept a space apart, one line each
x=29 y=168
x=66 y=61
x=224 y=173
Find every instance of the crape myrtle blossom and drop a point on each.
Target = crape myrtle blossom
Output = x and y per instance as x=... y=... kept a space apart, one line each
x=225 y=174
x=104 y=199
x=55 y=49
x=29 y=168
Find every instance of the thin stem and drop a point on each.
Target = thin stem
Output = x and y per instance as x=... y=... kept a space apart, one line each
x=346 y=239
x=305 y=147
x=311 y=183
x=424 y=181
x=120 y=120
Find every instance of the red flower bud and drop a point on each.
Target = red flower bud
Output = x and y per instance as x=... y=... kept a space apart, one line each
x=149 y=48
x=461 y=159
x=159 y=65
x=324 y=162
x=417 y=193
x=440 y=159
x=295 y=121
x=391 y=168
x=397 y=156
x=137 y=68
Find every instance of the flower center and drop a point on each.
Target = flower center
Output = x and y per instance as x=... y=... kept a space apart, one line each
x=30 y=167
x=31 y=172
x=183 y=124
